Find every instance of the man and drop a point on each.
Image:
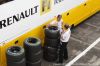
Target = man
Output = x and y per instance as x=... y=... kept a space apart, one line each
x=65 y=35
x=58 y=23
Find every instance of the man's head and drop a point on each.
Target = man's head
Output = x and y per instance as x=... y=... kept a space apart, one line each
x=66 y=26
x=59 y=17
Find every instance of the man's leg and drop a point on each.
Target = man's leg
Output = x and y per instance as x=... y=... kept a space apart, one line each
x=61 y=54
x=65 y=50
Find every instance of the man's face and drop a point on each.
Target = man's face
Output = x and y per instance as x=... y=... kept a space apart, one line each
x=59 y=18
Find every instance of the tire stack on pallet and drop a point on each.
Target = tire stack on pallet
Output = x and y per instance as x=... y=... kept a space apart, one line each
x=52 y=38
x=15 y=56
x=33 y=51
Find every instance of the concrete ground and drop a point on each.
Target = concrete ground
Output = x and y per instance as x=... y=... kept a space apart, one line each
x=83 y=36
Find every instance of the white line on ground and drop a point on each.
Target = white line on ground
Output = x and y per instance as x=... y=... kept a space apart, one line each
x=83 y=53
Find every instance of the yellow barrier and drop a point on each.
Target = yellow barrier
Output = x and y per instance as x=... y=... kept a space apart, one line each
x=72 y=17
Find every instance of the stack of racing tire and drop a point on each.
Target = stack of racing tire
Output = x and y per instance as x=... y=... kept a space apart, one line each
x=33 y=51
x=15 y=56
x=51 y=43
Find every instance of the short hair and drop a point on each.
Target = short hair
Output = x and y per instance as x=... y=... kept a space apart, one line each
x=66 y=26
x=59 y=16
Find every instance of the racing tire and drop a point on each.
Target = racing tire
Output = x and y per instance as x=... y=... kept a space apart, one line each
x=32 y=45
x=34 y=57
x=15 y=53
x=38 y=63
x=50 y=50
x=20 y=63
x=50 y=57
x=52 y=32
x=32 y=49
x=52 y=42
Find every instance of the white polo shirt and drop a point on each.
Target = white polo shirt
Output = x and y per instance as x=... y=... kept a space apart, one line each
x=65 y=36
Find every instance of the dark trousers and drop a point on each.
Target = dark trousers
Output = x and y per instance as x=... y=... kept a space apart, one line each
x=63 y=53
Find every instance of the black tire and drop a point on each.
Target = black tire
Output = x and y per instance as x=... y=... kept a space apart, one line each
x=50 y=57
x=20 y=63
x=52 y=42
x=50 y=50
x=34 y=57
x=38 y=63
x=32 y=45
x=32 y=49
x=52 y=32
x=15 y=53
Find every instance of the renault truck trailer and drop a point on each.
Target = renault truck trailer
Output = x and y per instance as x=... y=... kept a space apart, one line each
x=20 y=19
